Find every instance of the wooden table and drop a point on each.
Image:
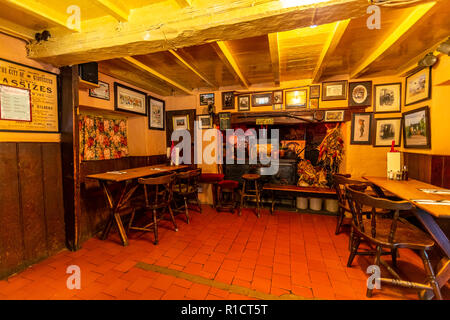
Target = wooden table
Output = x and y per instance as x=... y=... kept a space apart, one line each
x=128 y=179
x=316 y=191
x=426 y=213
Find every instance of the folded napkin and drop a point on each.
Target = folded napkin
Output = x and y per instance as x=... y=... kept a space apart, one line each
x=435 y=202
x=436 y=191
x=116 y=172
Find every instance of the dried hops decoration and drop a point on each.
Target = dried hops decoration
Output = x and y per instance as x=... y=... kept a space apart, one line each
x=331 y=152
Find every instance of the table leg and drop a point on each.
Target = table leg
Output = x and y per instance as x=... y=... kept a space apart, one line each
x=114 y=207
x=443 y=269
x=272 y=207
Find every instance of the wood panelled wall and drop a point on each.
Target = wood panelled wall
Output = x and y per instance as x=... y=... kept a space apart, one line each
x=94 y=211
x=31 y=204
x=433 y=169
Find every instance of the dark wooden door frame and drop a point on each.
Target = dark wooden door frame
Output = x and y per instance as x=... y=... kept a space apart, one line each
x=70 y=154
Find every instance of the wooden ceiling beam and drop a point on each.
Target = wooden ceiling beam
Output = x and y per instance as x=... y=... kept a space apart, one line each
x=404 y=69
x=181 y=56
x=392 y=36
x=149 y=31
x=184 y=3
x=114 y=9
x=329 y=48
x=134 y=79
x=274 y=49
x=16 y=30
x=143 y=67
x=227 y=58
x=42 y=12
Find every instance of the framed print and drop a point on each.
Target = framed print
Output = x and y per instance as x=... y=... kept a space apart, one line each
x=244 y=102
x=102 y=92
x=314 y=92
x=28 y=99
x=361 y=128
x=156 y=113
x=129 y=99
x=334 y=115
x=418 y=86
x=228 y=100
x=416 y=128
x=314 y=103
x=204 y=121
x=360 y=94
x=278 y=97
x=224 y=120
x=387 y=97
x=180 y=122
x=334 y=90
x=386 y=130
x=296 y=98
x=262 y=99
x=277 y=106
x=206 y=99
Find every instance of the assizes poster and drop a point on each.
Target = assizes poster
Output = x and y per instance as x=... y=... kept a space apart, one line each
x=44 y=97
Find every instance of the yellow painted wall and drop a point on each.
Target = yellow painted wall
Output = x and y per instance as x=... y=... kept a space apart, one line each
x=360 y=160
x=141 y=140
x=14 y=50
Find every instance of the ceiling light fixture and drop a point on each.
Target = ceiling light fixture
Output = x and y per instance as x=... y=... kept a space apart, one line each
x=444 y=47
x=429 y=60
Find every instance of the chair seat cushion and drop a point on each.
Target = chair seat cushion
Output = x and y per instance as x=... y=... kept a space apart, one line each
x=211 y=177
x=228 y=184
x=251 y=176
x=406 y=234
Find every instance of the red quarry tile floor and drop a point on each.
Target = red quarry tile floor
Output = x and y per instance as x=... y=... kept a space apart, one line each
x=217 y=256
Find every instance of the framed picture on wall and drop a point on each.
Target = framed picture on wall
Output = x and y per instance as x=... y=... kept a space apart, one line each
x=416 y=128
x=204 y=121
x=206 y=99
x=360 y=94
x=102 y=92
x=386 y=130
x=418 y=86
x=334 y=115
x=296 y=98
x=334 y=90
x=129 y=100
x=361 y=128
x=387 y=97
x=278 y=97
x=156 y=113
x=244 y=103
x=228 y=100
x=180 y=122
x=314 y=92
x=224 y=120
x=314 y=103
x=262 y=99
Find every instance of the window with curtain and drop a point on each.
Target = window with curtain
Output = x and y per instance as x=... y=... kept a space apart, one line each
x=102 y=138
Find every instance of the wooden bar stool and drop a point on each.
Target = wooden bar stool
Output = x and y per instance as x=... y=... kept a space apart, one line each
x=250 y=178
x=226 y=191
x=158 y=195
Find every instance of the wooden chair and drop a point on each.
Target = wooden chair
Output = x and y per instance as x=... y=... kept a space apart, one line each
x=391 y=233
x=158 y=196
x=250 y=193
x=339 y=182
x=185 y=187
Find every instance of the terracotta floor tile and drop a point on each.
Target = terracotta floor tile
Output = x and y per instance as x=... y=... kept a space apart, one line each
x=287 y=253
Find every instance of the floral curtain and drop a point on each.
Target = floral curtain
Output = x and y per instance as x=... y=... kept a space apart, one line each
x=102 y=138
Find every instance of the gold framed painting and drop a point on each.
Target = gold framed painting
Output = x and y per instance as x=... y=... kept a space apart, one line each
x=296 y=98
